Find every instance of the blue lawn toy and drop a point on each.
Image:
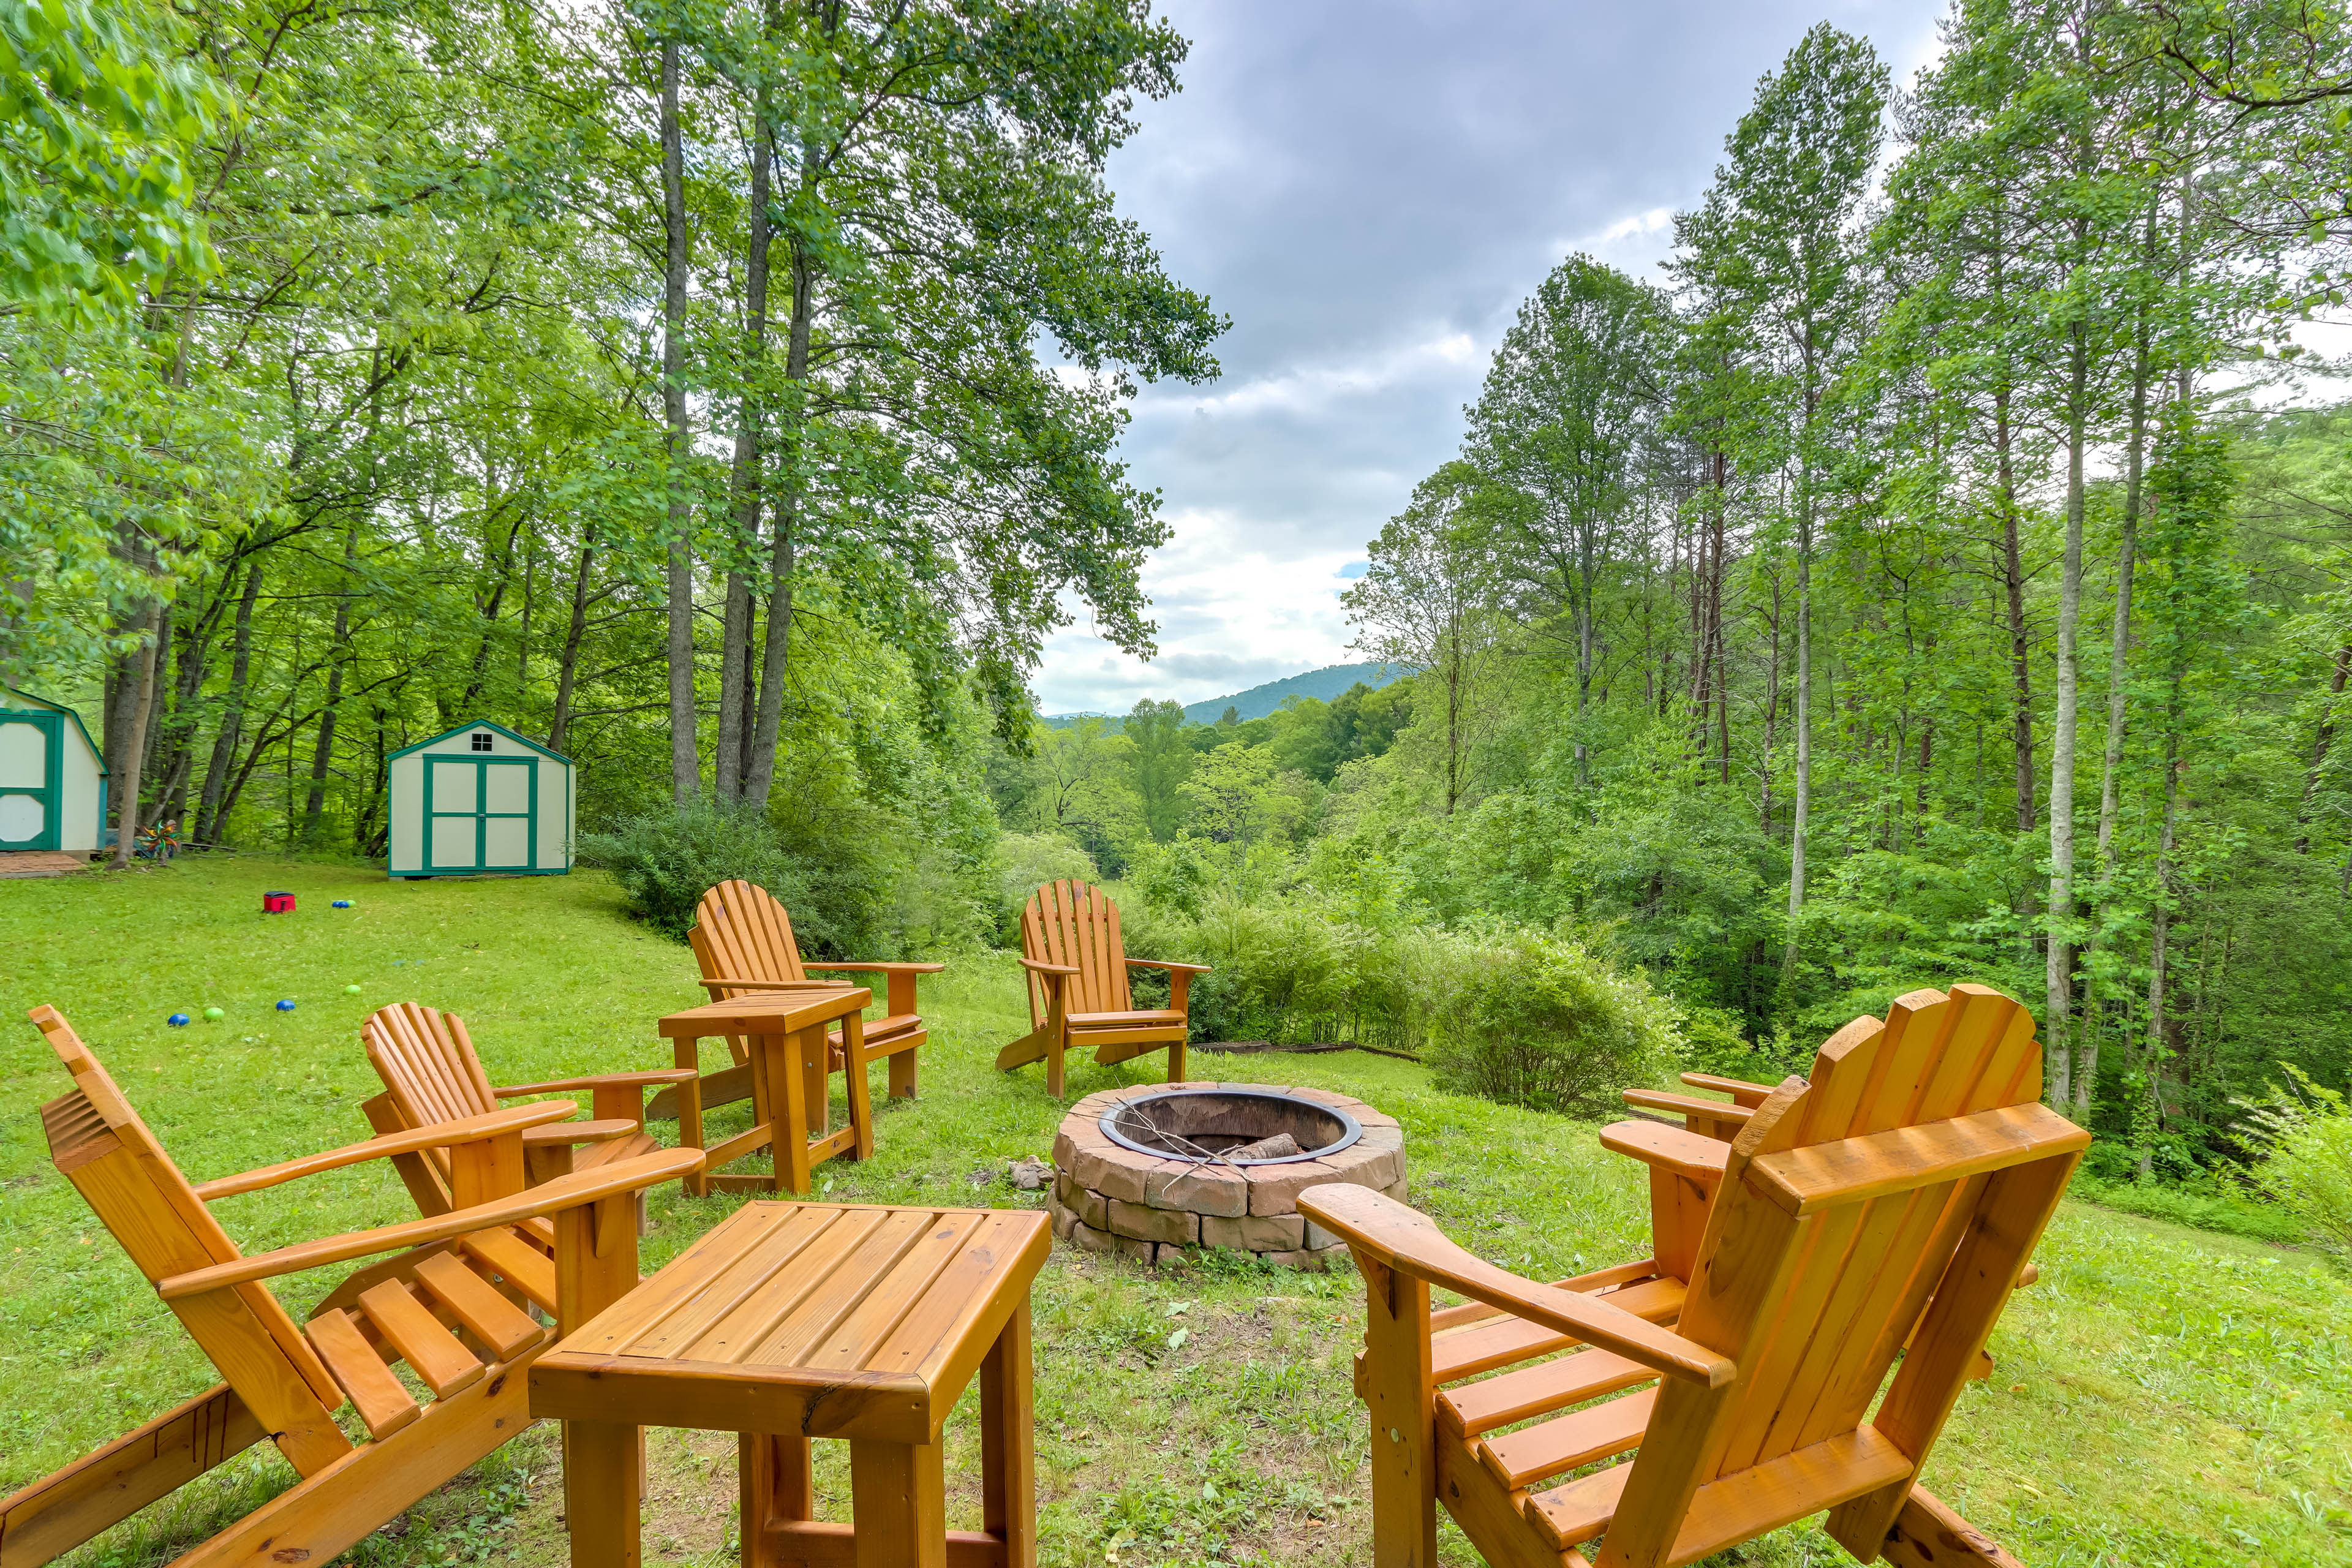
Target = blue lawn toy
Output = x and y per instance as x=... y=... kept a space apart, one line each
x=287 y=1005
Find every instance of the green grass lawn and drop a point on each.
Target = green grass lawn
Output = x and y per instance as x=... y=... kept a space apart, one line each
x=2162 y=1397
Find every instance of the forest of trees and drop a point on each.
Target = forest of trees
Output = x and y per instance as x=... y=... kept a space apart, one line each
x=1938 y=571
x=725 y=395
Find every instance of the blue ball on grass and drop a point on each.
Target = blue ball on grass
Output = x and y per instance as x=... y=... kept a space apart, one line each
x=177 y=1020
x=287 y=1005
x=342 y=903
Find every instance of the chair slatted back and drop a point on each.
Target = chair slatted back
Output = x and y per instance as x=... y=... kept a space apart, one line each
x=427 y=1063
x=1814 y=1309
x=740 y=929
x=100 y=1144
x=1071 y=924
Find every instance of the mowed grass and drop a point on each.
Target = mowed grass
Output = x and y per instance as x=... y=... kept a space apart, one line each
x=2162 y=1397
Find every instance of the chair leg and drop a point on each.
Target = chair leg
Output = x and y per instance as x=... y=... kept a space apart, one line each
x=1176 y=1062
x=861 y=1105
x=902 y=1075
x=1054 y=1051
x=1401 y=1397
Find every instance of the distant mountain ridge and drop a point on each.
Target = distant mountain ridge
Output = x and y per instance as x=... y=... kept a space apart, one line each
x=1322 y=684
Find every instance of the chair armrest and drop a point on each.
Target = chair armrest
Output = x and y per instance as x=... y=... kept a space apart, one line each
x=888 y=967
x=439 y=1135
x=1381 y=1228
x=563 y=1193
x=1664 y=1148
x=601 y=1081
x=1042 y=967
x=1746 y=1095
x=1163 y=964
x=565 y=1133
x=1685 y=1105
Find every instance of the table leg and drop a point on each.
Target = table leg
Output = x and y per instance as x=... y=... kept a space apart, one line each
x=788 y=1105
x=899 y=1499
x=603 y=1461
x=603 y=1488
x=689 y=1054
x=1008 y=1458
x=778 y=1486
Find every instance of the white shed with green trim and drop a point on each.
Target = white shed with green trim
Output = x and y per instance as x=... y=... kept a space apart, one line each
x=52 y=782
x=479 y=800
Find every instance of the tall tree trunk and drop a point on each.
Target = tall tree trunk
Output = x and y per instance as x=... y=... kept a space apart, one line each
x=322 y=756
x=567 y=670
x=2012 y=563
x=2320 y=744
x=2148 y=1115
x=232 y=718
x=775 y=662
x=685 y=752
x=1803 y=809
x=735 y=665
x=1771 y=717
x=2059 y=972
x=142 y=707
x=2087 y=1077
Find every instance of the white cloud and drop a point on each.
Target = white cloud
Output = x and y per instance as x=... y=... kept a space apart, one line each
x=1370 y=188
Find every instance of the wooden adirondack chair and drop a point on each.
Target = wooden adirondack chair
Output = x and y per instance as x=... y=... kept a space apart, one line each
x=431 y=1074
x=742 y=937
x=1893 y=1198
x=458 y=1274
x=1079 y=992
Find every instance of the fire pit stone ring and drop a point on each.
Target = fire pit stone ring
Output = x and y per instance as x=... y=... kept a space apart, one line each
x=1149 y=1171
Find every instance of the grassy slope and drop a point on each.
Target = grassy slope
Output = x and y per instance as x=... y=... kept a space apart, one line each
x=2163 y=1396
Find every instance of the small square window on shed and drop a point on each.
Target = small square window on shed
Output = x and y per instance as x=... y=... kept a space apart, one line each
x=481 y=740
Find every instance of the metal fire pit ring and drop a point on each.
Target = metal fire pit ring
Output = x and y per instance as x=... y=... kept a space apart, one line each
x=1350 y=1130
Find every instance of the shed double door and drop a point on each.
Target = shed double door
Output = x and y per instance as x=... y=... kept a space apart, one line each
x=480 y=813
x=32 y=769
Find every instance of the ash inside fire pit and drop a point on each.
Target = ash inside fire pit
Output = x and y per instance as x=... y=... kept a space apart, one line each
x=1230 y=1126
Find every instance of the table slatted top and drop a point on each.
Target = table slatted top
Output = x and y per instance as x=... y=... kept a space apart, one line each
x=769 y=1012
x=788 y=1307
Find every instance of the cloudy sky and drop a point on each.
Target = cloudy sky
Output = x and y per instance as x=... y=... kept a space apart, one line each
x=1368 y=188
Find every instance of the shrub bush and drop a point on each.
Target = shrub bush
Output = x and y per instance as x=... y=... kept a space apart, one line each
x=2305 y=1141
x=667 y=859
x=1548 y=1024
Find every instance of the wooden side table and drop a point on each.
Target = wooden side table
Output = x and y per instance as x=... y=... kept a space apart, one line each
x=786 y=1036
x=794 y=1322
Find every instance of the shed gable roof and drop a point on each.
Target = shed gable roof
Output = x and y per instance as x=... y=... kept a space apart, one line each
x=480 y=724
x=60 y=707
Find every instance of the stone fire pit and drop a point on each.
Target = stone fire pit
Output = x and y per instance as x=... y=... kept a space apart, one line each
x=1215 y=1165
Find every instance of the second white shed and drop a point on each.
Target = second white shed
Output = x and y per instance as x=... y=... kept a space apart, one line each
x=480 y=800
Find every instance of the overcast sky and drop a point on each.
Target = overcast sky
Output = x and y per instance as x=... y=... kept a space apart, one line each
x=1368 y=189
